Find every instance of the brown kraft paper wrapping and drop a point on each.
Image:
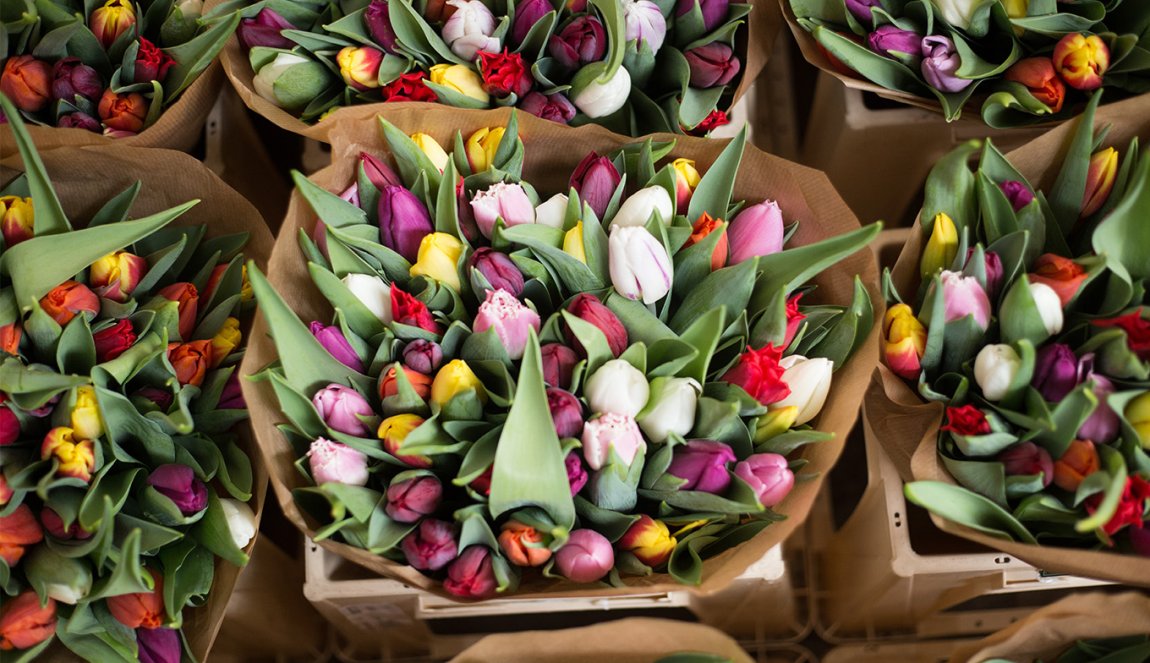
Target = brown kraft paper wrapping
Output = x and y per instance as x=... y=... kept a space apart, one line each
x=179 y=127
x=635 y=640
x=763 y=25
x=552 y=152
x=907 y=427
x=85 y=178
x=1049 y=631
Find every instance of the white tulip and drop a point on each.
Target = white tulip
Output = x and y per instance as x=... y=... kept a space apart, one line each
x=958 y=12
x=265 y=79
x=553 y=211
x=597 y=99
x=639 y=265
x=190 y=8
x=241 y=521
x=994 y=370
x=64 y=579
x=1049 y=307
x=809 y=381
x=635 y=211
x=618 y=388
x=670 y=408
x=373 y=293
x=469 y=29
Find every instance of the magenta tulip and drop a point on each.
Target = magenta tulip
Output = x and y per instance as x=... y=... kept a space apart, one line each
x=337 y=345
x=527 y=14
x=586 y=557
x=1027 y=458
x=431 y=546
x=1055 y=372
x=1102 y=426
x=576 y=473
x=1017 y=193
x=890 y=39
x=403 y=221
x=343 y=409
x=471 y=575
x=498 y=269
x=703 y=464
x=266 y=29
x=714 y=11
x=179 y=484
x=768 y=475
x=412 y=499
x=159 y=645
x=756 y=231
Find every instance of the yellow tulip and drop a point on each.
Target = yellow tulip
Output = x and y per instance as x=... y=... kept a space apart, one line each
x=573 y=243
x=226 y=339
x=432 y=149
x=481 y=147
x=460 y=78
x=775 y=422
x=86 y=421
x=455 y=377
x=686 y=179
x=1138 y=414
x=16 y=219
x=941 y=247
x=438 y=259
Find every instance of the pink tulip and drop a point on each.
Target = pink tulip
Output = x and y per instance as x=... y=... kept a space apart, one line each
x=964 y=296
x=586 y=557
x=332 y=462
x=611 y=431
x=511 y=320
x=423 y=356
x=756 y=231
x=502 y=200
x=343 y=409
x=431 y=546
x=768 y=475
x=471 y=575
x=566 y=412
x=703 y=464
x=412 y=499
x=576 y=473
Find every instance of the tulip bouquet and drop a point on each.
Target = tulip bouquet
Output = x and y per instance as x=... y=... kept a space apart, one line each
x=636 y=66
x=1029 y=328
x=602 y=382
x=112 y=68
x=1025 y=61
x=122 y=480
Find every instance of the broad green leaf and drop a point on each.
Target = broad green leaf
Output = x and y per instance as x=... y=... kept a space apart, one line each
x=968 y=509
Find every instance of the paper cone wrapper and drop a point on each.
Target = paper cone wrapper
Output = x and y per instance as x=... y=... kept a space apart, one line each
x=635 y=640
x=907 y=427
x=753 y=47
x=1049 y=631
x=84 y=179
x=552 y=152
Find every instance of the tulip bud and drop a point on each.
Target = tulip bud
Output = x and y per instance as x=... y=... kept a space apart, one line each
x=27 y=82
x=72 y=78
x=904 y=341
x=704 y=227
x=151 y=64
x=893 y=41
x=714 y=11
x=505 y=74
x=760 y=374
x=407 y=310
x=644 y=23
x=527 y=14
x=409 y=500
x=686 y=179
x=1056 y=372
x=768 y=475
x=438 y=258
x=940 y=62
x=117 y=274
x=343 y=409
x=123 y=112
x=586 y=557
x=431 y=546
x=566 y=412
x=992 y=264
x=332 y=462
x=159 y=645
x=481 y=147
x=1049 y=307
x=1040 y=79
x=596 y=98
x=511 y=320
x=470 y=29
x=24 y=623
x=703 y=465
x=576 y=474
x=179 y=484
x=266 y=29
x=359 y=66
x=963 y=296
x=142 y=609
x=423 y=356
x=187 y=301
x=17 y=219
x=555 y=107
x=76 y=458
x=10 y=338
x=114 y=341
x=558 y=364
x=638 y=208
x=670 y=408
x=378 y=23
x=1100 y=178
x=454 y=378
x=241 y=521
x=582 y=41
x=502 y=201
x=712 y=65
x=755 y=231
x=68 y=300
x=111 y=20
x=573 y=243
x=308 y=80
x=460 y=78
x=403 y=221
x=394 y=431
x=1027 y=458
x=10 y=425
x=1017 y=193
x=1102 y=426
x=63 y=579
x=86 y=421
x=1063 y=275
x=337 y=345
x=225 y=341
x=432 y=149
x=1078 y=462
x=190 y=361
x=373 y=293
x=617 y=387
x=1081 y=60
x=809 y=381
x=595 y=180
x=942 y=246
x=994 y=370
x=20 y=530
x=420 y=382
x=588 y=308
x=639 y=265
x=471 y=575
x=1138 y=414
x=523 y=545
x=649 y=540
x=498 y=270
x=611 y=431
x=6 y=491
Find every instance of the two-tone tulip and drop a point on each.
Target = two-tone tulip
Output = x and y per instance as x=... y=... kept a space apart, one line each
x=332 y=462
x=502 y=201
x=359 y=66
x=116 y=275
x=75 y=457
x=904 y=341
x=17 y=219
x=112 y=19
x=649 y=540
x=393 y=431
x=511 y=320
x=643 y=23
x=1081 y=60
x=1100 y=177
x=639 y=266
x=686 y=179
x=755 y=231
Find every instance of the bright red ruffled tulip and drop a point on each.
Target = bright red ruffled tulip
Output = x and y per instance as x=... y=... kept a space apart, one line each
x=27 y=82
x=505 y=74
x=113 y=341
x=714 y=120
x=68 y=300
x=152 y=64
x=141 y=610
x=18 y=530
x=704 y=227
x=407 y=310
x=1040 y=79
x=1081 y=60
x=24 y=623
x=588 y=308
x=123 y=112
x=1137 y=331
x=187 y=300
x=191 y=360
x=966 y=420
x=759 y=374
x=1131 y=505
x=408 y=87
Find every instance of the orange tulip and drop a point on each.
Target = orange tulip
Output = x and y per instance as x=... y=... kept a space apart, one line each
x=388 y=386
x=27 y=82
x=18 y=530
x=1063 y=275
x=523 y=545
x=24 y=623
x=143 y=609
x=76 y=458
x=705 y=226
x=187 y=299
x=123 y=112
x=10 y=338
x=1081 y=60
x=190 y=360
x=1040 y=79
x=1079 y=462
x=68 y=300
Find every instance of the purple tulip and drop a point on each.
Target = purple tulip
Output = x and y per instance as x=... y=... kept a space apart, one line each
x=1027 y=458
x=581 y=41
x=586 y=557
x=889 y=39
x=714 y=11
x=71 y=77
x=179 y=484
x=1055 y=372
x=940 y=62
x=79 y=121
x=159 y=645
x=558 y=364
x=963 y=296
x=756 y=231
x=378 y=24
x=554 y=107
x=431 y=546
x=994 y=273
x=472 y=575
x=1103 y=424
x=576 y=473
x=265 y=30
x=498 y=269
x=161 y=397
x=232 y=396
x=595 y=179
x=861 y=10
x=527 y=14
x=768 y=475
x=337 y=345
x=332 y=462
x=423 y=356
x=343 y=409
x=1017 y=193
x=378 y=172
x=412 y=499
x=566 y=412
x=703 y=464
x=712 y=65
x=403 y=221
